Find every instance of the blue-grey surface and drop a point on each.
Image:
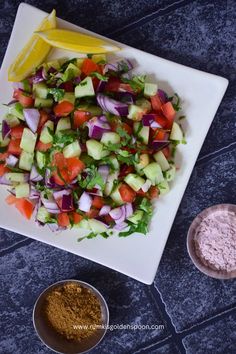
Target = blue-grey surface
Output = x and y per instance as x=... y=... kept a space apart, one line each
x=198 y=313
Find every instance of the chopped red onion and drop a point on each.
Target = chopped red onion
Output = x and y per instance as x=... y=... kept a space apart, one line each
x=125 y=97
x=97 y=128
x=146 y=186
x=116 y=213
x=128 y=209
x=67 y=203
x=34 y=175
x=120 y=226
x=34 y=193
x=59 y=194
x=39 y=76
x=105 y=210
x=96 y=191
x=118 y=66
x=85 y=202
x=6 y=129
x=50 y=205
x=5 y=181
x=154 y=124
x=159 y=144
x=104 y=172
x=32 y=117
x=110 y=105
x=162 y=95
x=77 y=80
x=101 y=86
x=11 y=160
x=148 y=119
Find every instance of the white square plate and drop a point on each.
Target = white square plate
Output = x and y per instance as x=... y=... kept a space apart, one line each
x=137 y=256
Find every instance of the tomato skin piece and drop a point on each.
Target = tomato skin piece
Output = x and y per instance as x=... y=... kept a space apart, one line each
x=67 y=86
x=43 y=147
x=153 y=192
x=3 y=156
x=14 y=147
x=156 y=103
x=76 y=217
x=25 y=100
x=75 y=167
x=127 y=194
x=17 y=132
x=98 y=202
x=160 y=119
x=63 y=220
x=88 y=66
x=141 y=193
x=67 y=169
x=3 y=170
x=159 y=134
x=63 y=109
x=108 y=219
x=125 y=170
x=25 y=207
x=80 y=117
x=166 y=152
x=127 y=128
x=44 y=117
x=92 y=213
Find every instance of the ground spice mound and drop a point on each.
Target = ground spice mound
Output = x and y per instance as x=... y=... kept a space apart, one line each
x=69 y=306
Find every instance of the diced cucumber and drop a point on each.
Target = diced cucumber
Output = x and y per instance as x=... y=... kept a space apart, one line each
x=96 y=226
x=136 y=217
x=42 y=215
x=71 y=72
x=150 y=89
x=96 y=149
x=135 y=112
x=110 y=182
x=154 y=173
x=4 y=142
x=170 y=174
x=16 y=177
x=26 y=160
x=53 y=64
x=12 y=120
x=45 y=136
x=176 y=132
x=85 y=88
x=22 y=190
x=161 y=160
x=134 y=181
x=114 y=162
x=43 y=102
x=68 y=96
x=93 y=110
x=110 y=138
x=17 y=111
x=143 y=162
x=72 y=150
x=28 y=140
x=99 y=57
x=84 y=224
x=163 y=187
x=116 y=197
x=143 y=134
x=63 y=124
x=41 y=159
x=40 y=90
x=144 y=104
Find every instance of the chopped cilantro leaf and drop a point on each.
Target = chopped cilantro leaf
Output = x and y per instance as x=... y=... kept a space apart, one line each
x=57 y=93
x=93 y=178
x=99 y=76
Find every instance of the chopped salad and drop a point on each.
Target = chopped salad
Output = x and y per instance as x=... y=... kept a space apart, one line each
x=87 y=143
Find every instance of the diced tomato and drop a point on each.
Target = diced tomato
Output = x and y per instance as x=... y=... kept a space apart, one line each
x=25 y=99
x=75 y=167
x=98 y=202
x=127 y=194
x=80 y=117
x=3 y=169
x=14 y=147
x=63 y=109
x=92 y=213
x=16 y=132
x=125 y=170
x=113 y=125
x=108 y=219
x=153 y=192
x=11 y=199
x=76 y=217
x=3 y=156
x=127 y=128
x=88 y=66
x=141 y=193
x=44 y=117
x=166 y=152
x=160 y=119
x=67 y=86
x=159 y=134
x=169 y=112
x=63 y=219
x=43 y=147
x=115 y=85
x=16 y=93
x=25 y=207
x=156 y=103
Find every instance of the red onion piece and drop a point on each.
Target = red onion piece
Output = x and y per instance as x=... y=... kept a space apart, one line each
x=39 y=76
x=96 y=191
x=162 y=95
x=97 y=127
x=6 y=129
x=105 y=210
x=67 y=203
x=110 y=105
x=59 y=194
x=128 y=209
x=5 y=181
x=32 y=117
x=120 y=226
x=34 y=193
x=50 y=205
x=148 y=119
x=118 y=66
x=55 y=227
x=77 y=80
x=159 y=144
x=11 y=160
x=116 y=213
x=101 y=86
x=146 y=186
x=104 y=172
x=85 y=202
x=154 y=124
x=34 y=175
x=126 y=97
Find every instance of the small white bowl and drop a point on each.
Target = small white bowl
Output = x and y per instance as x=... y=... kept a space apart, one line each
x=56 y=342
x=191 y=244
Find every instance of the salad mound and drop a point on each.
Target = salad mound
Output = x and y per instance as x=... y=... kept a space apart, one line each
x=87 y=143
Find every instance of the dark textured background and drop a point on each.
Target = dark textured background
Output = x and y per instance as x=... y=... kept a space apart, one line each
x=199 y=313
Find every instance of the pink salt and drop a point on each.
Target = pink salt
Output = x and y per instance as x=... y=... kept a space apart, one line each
x=215 y=241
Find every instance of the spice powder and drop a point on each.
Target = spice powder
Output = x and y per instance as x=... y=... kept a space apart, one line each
x=73 y=311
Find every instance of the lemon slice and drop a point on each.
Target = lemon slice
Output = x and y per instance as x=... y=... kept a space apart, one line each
x=33 y=53
x=75 y=41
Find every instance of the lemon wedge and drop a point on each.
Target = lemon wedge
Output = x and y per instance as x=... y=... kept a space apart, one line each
x=75 y=41
x=33 y=53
